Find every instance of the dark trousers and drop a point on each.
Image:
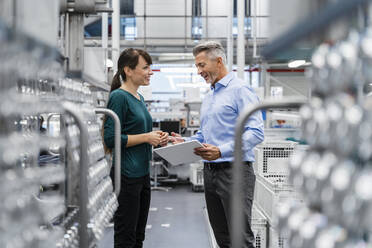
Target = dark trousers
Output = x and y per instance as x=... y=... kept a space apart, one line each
x=131 y=216
x=218 y=193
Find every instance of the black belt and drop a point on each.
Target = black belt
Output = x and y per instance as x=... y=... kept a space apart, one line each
x=221 y=165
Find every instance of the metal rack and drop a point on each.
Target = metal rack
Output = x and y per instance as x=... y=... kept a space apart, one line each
x=98 y=203
x=272 y=159
x=334 y=174
x=28 y=76
x=32 y=83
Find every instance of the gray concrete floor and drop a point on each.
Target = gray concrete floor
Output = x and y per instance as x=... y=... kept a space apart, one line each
x=176 y=219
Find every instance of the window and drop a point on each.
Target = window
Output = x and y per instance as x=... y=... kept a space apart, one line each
x=128 y=27
x=247 y=8
x=247 y=19
x=197 y=19
x=197 y=26
x=247 y=26
x=126 y=7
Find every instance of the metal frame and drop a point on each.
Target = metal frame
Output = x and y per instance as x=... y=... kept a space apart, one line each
x=50 y=117
x=156 y=186
x=237 y=202
x=83 y=187
x=84 y=6
x=117 y=146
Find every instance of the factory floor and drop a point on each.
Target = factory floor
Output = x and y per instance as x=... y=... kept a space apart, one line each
x=176 y=219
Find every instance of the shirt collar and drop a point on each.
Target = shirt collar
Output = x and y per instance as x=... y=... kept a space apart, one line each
x=223 y=81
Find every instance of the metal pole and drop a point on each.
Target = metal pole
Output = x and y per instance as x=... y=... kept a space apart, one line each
x=83 y=187
x=105 y=39
x=105 y=31
x=206 y=20
x=67 y=34
x=14 y=17
x=265 y=80
x=117 y=146
x=115 y=33
x=241 y=37
x=237 y=201
x=185 y=23
x=255 y=29
x=230 y=41
x=61 y=38
x=144 y=25
x=75 y=50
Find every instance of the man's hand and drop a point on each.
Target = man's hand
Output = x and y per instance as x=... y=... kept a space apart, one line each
x=164 y=138
x=176 y=138
x=208 y=152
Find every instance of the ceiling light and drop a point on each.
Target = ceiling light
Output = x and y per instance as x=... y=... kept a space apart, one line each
x=296 y=63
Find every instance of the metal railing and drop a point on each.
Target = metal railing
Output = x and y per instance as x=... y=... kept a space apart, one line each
x=117 y=158
x=237 y=201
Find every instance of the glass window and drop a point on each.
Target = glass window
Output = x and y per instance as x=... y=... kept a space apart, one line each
x=126 y=7
x=197 y=26
x=247 y=19
x=247 y=8
x=247 y=27
x=128 y=28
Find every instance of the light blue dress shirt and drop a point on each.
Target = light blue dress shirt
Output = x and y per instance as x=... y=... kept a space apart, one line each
x=219 y=113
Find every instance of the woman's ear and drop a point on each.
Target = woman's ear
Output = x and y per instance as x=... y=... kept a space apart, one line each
x=127 y=71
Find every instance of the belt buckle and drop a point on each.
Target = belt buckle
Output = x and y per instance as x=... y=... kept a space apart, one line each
x=208 y=165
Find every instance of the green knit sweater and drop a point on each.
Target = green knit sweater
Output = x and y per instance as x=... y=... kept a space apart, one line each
x=134 y=119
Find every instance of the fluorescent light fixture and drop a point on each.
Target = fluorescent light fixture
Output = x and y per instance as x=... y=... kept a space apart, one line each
x=179 y=70
x=296 y=63
x=174 y=56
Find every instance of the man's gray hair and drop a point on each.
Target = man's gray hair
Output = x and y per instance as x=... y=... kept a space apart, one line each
x=213 y=49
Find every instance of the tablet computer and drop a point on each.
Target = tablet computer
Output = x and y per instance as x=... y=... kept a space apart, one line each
x=181 y=153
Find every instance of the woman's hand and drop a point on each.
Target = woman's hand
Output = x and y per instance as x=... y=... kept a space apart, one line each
x=154 y=138
x=164 y=139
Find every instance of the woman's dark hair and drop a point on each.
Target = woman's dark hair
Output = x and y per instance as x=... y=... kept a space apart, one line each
x=129 y=57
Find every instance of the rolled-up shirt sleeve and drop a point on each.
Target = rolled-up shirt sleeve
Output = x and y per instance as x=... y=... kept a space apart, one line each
x=198 y=136
x=253 y=129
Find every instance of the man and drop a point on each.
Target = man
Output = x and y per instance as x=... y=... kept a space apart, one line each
x=220 y=109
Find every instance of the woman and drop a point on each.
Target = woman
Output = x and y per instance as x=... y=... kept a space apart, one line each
x=137 y=139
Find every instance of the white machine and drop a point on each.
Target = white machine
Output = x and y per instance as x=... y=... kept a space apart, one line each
x=196 y=176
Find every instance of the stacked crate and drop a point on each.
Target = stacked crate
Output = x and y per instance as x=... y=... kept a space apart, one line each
x=272 y=186
x=272 y=159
